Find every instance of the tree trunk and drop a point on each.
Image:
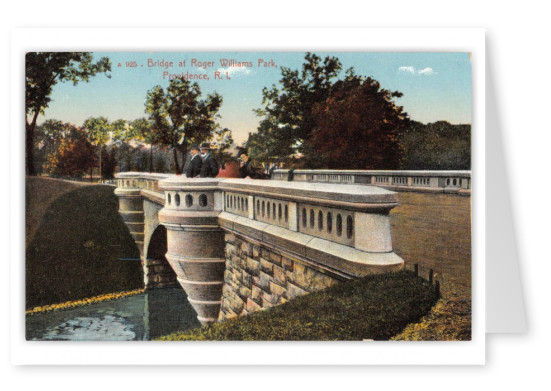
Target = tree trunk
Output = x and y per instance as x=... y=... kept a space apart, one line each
x=176 y=164
x=151 y=159
x=100 y=167
x=184 y=153
x=29 y=143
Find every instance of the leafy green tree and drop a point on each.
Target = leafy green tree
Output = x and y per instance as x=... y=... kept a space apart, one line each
x=436 y=146
x=221 y=142
x=43 y=70
x=287 y=108
x=141 y=130
x=327 y=121
x=109 y=163
x=179 y=117
x=99 y=132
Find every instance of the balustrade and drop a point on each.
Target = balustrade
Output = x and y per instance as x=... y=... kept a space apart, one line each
x=444 y=181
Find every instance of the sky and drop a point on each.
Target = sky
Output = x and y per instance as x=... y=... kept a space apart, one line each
x=436 y=86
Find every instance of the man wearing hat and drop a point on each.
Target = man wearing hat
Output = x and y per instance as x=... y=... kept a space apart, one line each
x=210 y=167
x=194 y=167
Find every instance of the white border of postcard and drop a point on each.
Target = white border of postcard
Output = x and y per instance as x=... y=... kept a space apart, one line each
x=246 y=353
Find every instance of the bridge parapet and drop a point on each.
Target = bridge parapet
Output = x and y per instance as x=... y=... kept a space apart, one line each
x=350 y=215
x=458 y=181
x=244 y=244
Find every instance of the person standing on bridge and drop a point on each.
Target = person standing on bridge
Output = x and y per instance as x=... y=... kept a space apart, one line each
x=209 y=168
x=194 y=168
x=251 y=168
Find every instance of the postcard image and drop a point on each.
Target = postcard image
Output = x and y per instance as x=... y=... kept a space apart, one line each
x=248 y=196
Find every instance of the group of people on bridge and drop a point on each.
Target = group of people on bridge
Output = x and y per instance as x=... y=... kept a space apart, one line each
x=203 y=164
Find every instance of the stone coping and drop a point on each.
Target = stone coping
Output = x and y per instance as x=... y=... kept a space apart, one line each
x=423 y=173
x=338 y=195
x=312 y=190
x=144 y=175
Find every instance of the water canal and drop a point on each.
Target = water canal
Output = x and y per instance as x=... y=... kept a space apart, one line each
x=142 y=317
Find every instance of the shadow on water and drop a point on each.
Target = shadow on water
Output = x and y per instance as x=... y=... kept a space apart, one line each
x=141 y=317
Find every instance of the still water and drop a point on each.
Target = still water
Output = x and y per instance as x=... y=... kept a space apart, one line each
x=141 y=317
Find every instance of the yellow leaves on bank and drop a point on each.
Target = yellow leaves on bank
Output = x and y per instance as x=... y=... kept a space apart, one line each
x=81 y=302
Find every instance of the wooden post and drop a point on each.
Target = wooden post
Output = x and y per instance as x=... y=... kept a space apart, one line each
x=416 y=269
x=437 y=288
x=431 y=273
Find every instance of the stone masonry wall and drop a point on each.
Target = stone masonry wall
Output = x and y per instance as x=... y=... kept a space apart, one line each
x=258 y=278
x=158 y=274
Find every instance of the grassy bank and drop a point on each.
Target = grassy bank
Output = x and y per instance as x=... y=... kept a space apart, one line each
x=434 y=230
x=77 y=242
x=40 y=192
x=375 y=307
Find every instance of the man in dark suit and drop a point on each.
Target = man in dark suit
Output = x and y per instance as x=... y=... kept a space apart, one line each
x=210 y=167
x=251 y=168
x=194 y=167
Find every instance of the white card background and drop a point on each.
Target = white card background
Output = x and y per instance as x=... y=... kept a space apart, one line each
x=516 y=34
x=338 y=353
x=505 y=311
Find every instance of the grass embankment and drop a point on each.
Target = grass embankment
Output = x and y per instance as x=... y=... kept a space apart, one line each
x=375 y=307
x=434 y=230
x=40 y=192
x=75 y=249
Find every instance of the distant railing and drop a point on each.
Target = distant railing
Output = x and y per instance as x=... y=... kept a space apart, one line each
x=428 y=181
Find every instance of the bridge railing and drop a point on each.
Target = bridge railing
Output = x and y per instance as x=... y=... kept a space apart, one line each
x=400 y=180
x=334 y=213
x=140 y=180
x=349 y=215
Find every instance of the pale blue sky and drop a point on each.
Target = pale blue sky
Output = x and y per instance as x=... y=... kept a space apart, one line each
x=436 y=86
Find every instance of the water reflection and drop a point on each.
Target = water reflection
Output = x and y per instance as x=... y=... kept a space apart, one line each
x=141 y=317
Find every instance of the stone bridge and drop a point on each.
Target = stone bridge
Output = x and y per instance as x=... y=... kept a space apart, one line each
x=240 y=245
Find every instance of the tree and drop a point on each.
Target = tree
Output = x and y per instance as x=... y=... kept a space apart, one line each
x=436 y=146
x=356 y=127
x=221 y=143
x=141 y=130
x=179 y=117
x=43 y=70
x=99 y=132
x=349 y=122
x=287 y=110
x=74 y=157
x=48 y=137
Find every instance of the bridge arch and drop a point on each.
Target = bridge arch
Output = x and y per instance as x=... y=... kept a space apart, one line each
x=157 y=271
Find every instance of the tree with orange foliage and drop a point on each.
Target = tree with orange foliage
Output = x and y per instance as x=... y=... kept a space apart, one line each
x=74 y=157
x=356 y=127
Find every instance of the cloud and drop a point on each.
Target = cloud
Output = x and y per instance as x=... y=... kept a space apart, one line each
x=234 y=70
x=407 y=69
x=425 y=72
